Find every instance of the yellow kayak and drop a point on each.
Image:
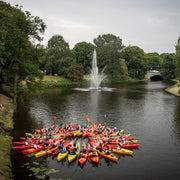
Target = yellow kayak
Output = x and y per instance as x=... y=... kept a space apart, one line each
x=122 y=151
x=72 y=157
x=62 y=156
x=132 y=141
x=43 y=153
x=111 y=156
x=76 y=132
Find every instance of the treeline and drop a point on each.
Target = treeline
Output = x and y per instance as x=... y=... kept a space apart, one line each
x=119 y=61
x=23 y=58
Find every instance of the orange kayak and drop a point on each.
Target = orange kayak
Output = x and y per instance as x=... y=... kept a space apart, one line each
x=111 y=156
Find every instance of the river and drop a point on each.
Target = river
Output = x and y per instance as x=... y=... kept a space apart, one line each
x=142 y=109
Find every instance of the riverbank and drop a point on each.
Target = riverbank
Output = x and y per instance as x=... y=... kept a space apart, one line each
x=175 y=89
x=6 y=125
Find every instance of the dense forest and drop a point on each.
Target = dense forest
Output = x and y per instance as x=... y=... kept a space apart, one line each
x=23 y=58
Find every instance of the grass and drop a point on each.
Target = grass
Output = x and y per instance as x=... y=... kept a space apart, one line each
x=5 y=149
x=57 y=81
x=6 y=125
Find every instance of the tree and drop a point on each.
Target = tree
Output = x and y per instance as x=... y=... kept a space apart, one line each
x=83 y=53
x=109 y=49
x=133 y=56
x=75 y=72
x=168 y=65
x=57 y=48
x=18 y=57
x=121 y=70
x=153 y=61
x=178 y=58
x=64 y=65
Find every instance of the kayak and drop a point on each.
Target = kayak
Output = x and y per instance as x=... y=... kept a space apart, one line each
x=128 y=146
x=93 y=156
x=19 y=148
x=43 y=153
x=19 y=143
x=62 y=156
x=72 y=157
x=111 y=156
x=122 y=151
x=76 y=132
x=31 y=150
x=82 y=157
x=55 y=153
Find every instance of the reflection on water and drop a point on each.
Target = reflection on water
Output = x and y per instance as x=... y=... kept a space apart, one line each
x=143 y=108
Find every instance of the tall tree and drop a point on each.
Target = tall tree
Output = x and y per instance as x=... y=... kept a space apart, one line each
x=83 y=52
x=108 y=48
x=178 y=58
x=137 y=67
x=57 y=48
x=153 y=61
x=18 y=57
x=168 y=65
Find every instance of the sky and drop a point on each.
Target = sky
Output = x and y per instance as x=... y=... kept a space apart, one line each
x=152 y=25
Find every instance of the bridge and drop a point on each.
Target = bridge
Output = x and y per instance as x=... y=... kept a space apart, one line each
x=154 y=75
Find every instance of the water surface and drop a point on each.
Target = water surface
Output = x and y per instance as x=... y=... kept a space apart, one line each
x=143 y=109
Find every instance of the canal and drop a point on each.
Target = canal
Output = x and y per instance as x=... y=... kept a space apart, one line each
x=142 y=109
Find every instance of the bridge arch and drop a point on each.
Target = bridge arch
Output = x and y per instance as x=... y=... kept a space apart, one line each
x=154 y=75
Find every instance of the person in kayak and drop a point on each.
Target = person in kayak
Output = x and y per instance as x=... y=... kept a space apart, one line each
x=108 y=151
x=60 y=145
x=63 y=150
x=119 y=146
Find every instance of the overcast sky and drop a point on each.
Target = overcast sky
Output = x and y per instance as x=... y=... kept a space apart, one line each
x=153 y=25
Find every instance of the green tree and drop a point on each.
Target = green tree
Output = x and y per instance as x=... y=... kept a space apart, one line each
x=64 y=65
x=178 y=58
x=76 y=72
x=121 y=70
x=109 y=49
x=83 y=53
x=57 y=48
x=153 y=61
x=168 y=65
x=134 y=58
x=18 y=56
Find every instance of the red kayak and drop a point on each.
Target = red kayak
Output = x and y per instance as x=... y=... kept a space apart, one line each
x=128 y=146
x=19 y=148
x=94 y=157
x=31 y=150
x=82 y=156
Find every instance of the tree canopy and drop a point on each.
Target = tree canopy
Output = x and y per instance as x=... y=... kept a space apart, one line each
x=18 y=53
x=178 y=58
x=83 y=53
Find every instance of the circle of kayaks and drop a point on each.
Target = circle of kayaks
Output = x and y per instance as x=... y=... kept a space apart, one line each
x=63 y=141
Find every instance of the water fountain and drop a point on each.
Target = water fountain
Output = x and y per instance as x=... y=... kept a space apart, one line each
x=96 y=77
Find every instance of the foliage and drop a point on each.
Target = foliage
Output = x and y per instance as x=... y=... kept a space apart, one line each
x=178 y=59
x=168 y=65
x=137 y=67
x=64 y=66
x=153 y=61
x=108 y=48
x=75 y=73
x=83 y=53
x=57 y=49
x=18 y=54
x=120 y=70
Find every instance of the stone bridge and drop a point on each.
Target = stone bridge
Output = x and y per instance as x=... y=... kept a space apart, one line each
x=154 y=75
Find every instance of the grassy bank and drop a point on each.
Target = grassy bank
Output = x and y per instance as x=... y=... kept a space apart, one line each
x=175 y=89
x=6 y=125
x=57 y=81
